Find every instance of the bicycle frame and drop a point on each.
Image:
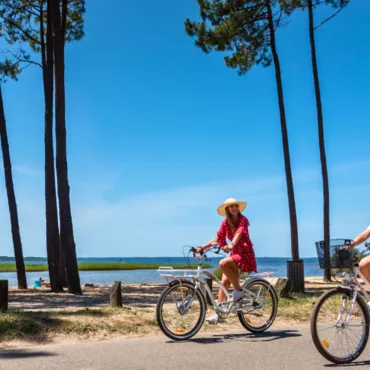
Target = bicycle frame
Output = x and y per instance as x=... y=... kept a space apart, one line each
x=357 y=272
x=352 y=284
x=227 y=307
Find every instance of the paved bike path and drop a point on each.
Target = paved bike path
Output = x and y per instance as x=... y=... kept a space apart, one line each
x=282 y=347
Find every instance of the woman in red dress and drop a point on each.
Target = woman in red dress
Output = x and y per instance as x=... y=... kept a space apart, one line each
x=235 y=228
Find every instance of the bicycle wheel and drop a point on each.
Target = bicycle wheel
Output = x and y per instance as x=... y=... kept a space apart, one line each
x=181 y=310
x=340 y=338
x=262 y=296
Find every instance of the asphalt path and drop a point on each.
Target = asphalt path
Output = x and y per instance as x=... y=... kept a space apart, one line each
x=282 y=347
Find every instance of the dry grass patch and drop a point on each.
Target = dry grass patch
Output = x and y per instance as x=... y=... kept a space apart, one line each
x=296 y=309
x=43 y=326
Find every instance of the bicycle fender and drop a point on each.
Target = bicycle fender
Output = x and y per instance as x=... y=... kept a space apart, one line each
x=253 y=279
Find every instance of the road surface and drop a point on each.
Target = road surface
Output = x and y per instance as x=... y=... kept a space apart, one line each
x=282 y=347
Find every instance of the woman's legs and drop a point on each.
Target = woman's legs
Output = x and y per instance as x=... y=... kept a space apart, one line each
x=365 y=267
x=221 y=295
x=229 y=276
x=230 y=270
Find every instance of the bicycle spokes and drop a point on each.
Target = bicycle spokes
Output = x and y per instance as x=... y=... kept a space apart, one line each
x=181 y=310
x=340 y=333
x=258 y=308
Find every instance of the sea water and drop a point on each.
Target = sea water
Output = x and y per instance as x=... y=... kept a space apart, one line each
x=275 y=265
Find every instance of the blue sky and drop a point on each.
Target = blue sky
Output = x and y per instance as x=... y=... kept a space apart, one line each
x=159 y=134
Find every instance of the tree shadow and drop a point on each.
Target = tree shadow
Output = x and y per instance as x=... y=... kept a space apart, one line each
x=33 y=299
x=11 y=354
x=248 y=337
x=140 y=296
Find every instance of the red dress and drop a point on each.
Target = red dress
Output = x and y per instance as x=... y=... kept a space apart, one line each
x=242 y=253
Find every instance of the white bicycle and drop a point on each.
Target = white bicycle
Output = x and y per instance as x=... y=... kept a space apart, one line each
x=340 y=318
x=182 y=306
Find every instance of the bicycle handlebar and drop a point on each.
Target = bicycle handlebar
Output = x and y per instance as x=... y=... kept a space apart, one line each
x=215 y=248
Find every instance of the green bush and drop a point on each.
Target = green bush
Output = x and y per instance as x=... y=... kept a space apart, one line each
x=218 y=273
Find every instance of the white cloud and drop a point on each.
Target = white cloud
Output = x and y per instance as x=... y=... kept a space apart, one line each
x=160 y=223
x=27 y=170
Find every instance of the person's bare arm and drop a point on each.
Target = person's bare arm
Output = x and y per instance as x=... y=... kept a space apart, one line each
x=360 y=238
x=206 y=246
x=228 y=248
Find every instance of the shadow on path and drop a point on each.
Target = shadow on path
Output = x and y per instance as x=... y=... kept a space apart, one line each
x=355 y=363
x=249 y=337
x=10 y=354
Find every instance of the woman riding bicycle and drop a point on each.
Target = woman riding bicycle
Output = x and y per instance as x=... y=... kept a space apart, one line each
x=340 y=319
x=235 y=228
x=365 y=262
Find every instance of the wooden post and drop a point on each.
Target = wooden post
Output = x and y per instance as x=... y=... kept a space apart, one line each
x=280 y=285
x=4 y=295
x=116 y=295
x=295 y=273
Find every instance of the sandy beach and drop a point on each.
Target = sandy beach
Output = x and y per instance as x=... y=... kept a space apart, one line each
x=133 y=295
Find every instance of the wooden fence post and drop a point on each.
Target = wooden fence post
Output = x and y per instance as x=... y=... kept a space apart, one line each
x=4 y=295
x=116 y=295
x=280 y=286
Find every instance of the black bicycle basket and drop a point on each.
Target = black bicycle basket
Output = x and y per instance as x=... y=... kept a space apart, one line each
x=341 y=255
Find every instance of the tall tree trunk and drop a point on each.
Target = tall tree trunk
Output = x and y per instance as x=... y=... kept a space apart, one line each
x=65 y=215
x=320 y=122
x=296 y=270
x=52 y=227
x=18 y=252
x=62 y=266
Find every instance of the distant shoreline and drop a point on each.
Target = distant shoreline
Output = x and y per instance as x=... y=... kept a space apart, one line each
x=7 y=258
x=84 y=266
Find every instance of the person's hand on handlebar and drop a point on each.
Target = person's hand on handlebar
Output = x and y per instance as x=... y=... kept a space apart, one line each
x=227 y=248
x=212 y=245
x=199 y=250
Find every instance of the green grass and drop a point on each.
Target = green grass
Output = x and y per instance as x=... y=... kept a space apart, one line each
x=297 y=309
x=85 y=266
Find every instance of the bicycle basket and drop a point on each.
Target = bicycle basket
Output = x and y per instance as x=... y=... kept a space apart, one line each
x=340 y=256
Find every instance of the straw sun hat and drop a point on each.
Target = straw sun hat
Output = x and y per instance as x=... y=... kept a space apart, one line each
x=222 y=208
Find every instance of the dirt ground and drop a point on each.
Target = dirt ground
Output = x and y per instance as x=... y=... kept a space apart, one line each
x=133 y=295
